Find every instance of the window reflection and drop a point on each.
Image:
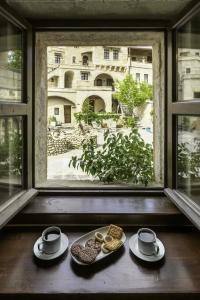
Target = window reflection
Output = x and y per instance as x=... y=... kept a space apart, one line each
x=10 y=157
x=189 y=60
x=10 y=62
x=188 y=158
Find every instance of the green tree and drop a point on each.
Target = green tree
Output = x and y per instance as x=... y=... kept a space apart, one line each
x=15 y=60
x=132 y=93
x=122 y=158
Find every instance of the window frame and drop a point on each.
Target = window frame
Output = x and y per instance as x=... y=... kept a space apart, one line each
x=175 y=108
x=106 y=53
x=45 y=38
x=24 y=109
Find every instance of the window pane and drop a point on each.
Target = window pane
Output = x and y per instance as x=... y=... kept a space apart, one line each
x=10 y=62
x=188 y=76
x=10 y=157
x=188 y=164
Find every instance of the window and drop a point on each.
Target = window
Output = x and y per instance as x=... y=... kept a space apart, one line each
x=11 y=59
x=73 y=59
x=58 y=57
x=109 y=82
x=196 y=95
x=137 y=77
x=188 y=70
x=85 y=60
x=184 y=125
x=146 y=77
x=149 y=59
x=134 y=58
x=115 y=54
x=56 y=111
x=84 y=75
x=188 y=159
x=106 y=53
x=11 y=157
x=99 y=82
x=15 y=117
x=93 y=108
x=184 y=53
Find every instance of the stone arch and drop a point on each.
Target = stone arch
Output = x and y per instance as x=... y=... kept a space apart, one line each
x=61 y=108
x=97 y=104
x=69 y=75
x=103 y=79
x=53 y=81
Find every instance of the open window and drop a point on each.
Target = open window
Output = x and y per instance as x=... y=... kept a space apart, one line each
x=90 y=107
x=15 y=117
x=184 y=118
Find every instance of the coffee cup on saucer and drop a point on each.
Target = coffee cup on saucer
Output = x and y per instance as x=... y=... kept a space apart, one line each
x=51 y=240
x=147 y=243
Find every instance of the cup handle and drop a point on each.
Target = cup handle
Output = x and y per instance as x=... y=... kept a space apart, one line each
x=156 y=248
x=40 y=249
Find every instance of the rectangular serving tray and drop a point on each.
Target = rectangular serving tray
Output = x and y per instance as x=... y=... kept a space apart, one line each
x=82 y=240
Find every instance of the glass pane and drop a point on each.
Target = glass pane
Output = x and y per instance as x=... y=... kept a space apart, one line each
x=10 y=157
x=10 y=62
x=189 y=60
x=188 y=164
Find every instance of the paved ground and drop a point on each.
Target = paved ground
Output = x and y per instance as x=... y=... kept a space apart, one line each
x=58 y=166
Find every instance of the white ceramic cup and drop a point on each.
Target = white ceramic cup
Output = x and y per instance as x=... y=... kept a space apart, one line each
x=51 y=240
x=147 y=242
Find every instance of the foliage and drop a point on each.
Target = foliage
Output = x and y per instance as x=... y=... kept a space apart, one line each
x=52 y=119
x=130 y=121
x=122 y=158
x=132 y=93
x=188 y=162
x=11 y=155
x=15 y=60
x=90 y=117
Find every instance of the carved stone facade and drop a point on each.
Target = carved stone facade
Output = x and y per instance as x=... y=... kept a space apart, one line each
x=79 y=73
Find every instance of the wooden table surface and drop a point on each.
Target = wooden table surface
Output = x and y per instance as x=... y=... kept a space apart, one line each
x=120 y=276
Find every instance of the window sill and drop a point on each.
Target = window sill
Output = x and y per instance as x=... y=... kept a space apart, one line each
x=100 y=210
x=122 y=276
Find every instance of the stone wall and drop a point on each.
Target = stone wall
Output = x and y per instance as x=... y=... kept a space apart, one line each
x=59 y=142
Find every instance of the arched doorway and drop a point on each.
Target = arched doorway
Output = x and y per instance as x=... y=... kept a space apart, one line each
x=104 y=80
x=94 y=103
x=61 y=109
x=69 y=75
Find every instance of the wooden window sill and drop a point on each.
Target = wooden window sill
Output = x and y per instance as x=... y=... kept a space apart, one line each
x=121 y=276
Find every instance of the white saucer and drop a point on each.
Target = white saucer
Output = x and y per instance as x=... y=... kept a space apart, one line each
x=44 y=256
x=133 y=244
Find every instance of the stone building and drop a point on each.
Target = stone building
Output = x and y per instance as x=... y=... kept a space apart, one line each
x=188 y=73
x=79 y=73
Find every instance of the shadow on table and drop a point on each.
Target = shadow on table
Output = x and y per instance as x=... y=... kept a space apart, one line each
x=88 y=271
x=156 y=265
x=49 y=263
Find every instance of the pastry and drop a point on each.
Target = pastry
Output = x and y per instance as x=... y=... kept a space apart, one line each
x=108 y=238
x=92 y=243
x=99 y=237
x=113 y=245
x=105 y=251
x=87 y=255
x=75 y=249
x=115 y=231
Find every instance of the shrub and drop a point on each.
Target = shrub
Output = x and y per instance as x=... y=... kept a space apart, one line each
x=90 y=117
x=122 y=158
